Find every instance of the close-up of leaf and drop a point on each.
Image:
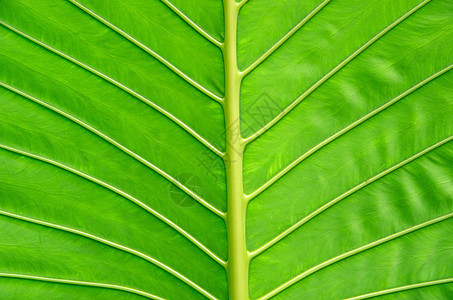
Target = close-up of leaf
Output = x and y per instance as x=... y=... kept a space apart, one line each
x=209 y=149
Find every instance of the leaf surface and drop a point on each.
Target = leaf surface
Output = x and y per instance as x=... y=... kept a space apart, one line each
x=199 y=149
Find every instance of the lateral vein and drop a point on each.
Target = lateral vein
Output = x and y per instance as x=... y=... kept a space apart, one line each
x=194 y=25
x=346 y=194
x=123 y=194
x=113 y=245
x=119 y=85
x=403 y=288
x=242 y=3
x=82 y=283
x=145 y=48
x=352 y=253
x=351 y=126
x=119 y=146
x=332 y=72
x=287 y=36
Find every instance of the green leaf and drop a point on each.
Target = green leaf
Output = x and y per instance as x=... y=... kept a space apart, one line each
x=241 y=150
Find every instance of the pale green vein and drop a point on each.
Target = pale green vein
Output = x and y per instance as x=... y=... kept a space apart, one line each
x=351 y=253
x=237 y=269
x=346 y=194
x=332 y=72
x=403 y=288
x=82 y=283
x=192 y=24
x=124 y=195
x=119 y=146
x=113 y=245
x=287 y=36
x=149 y=51
x=242 y=3
x=119 y=85
x=343 y=131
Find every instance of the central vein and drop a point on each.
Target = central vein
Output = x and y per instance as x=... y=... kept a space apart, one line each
x=237 y=267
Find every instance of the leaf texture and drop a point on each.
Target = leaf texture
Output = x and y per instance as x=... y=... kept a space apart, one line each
x=152 y=149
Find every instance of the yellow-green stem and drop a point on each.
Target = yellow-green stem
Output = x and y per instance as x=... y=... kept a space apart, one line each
x=237 y=267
